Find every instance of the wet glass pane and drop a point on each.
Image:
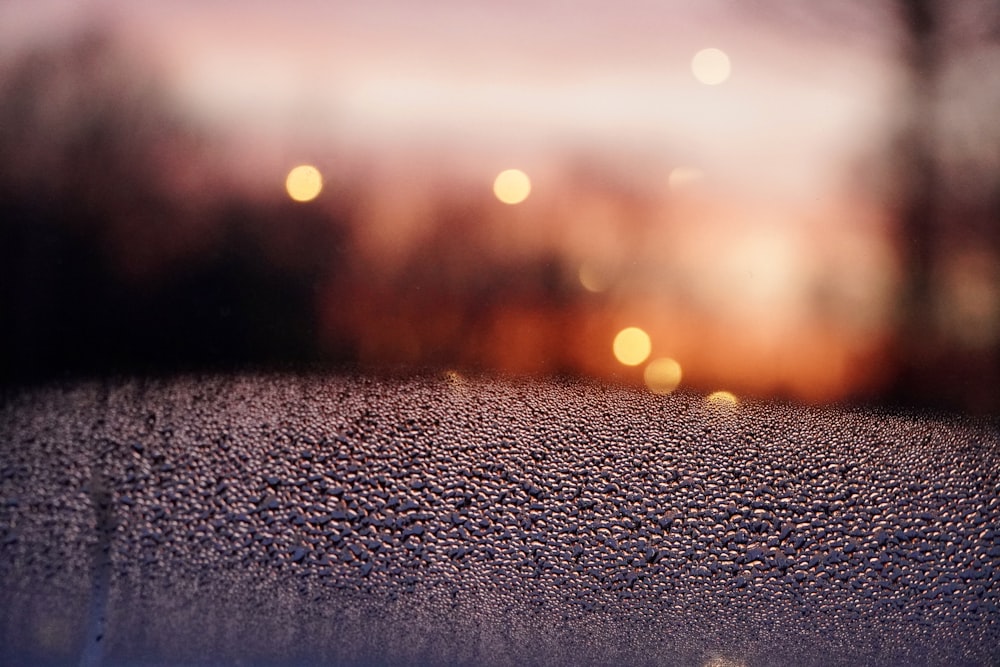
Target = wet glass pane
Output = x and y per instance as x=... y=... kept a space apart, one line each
x=468 y=333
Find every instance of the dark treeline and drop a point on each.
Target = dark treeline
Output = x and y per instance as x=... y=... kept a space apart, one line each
x=104 y=266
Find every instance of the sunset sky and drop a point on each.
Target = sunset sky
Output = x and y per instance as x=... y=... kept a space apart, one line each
x=518 y=82
x=715 y=172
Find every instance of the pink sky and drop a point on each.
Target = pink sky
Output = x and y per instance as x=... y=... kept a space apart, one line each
x=517 y=80
x=432 y=96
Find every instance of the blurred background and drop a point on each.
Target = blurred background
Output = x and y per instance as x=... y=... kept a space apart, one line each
x=780 y=199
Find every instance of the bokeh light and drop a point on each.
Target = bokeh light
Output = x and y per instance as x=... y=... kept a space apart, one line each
x=662 y=375
x=512 y=186
x=304 y=183
x=722 y=399
x=711 y=66
x=632 y=346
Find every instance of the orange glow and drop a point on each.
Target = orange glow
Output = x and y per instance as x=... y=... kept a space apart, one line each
x=711 y=66
x=722 y=399
x=512 y=186
x=662 y=375
x=632 y=346
x=304 y=183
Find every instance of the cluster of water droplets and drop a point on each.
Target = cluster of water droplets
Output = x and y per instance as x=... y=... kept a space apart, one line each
x=482 y=521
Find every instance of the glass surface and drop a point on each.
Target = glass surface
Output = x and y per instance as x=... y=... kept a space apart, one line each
x=499 y=333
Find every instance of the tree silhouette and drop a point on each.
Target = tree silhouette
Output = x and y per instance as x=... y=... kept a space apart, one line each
x=934 y=368
x=104 y=266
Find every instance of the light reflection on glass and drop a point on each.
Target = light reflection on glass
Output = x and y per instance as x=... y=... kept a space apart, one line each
x=722 y=399
x=724 y=662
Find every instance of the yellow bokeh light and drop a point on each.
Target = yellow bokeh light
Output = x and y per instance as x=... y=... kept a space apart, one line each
x=711 y=66
x=662 y=375
x=684 y=177
x=722 y=399
x=512 y=186
x=304 y=183
x=632 y=346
